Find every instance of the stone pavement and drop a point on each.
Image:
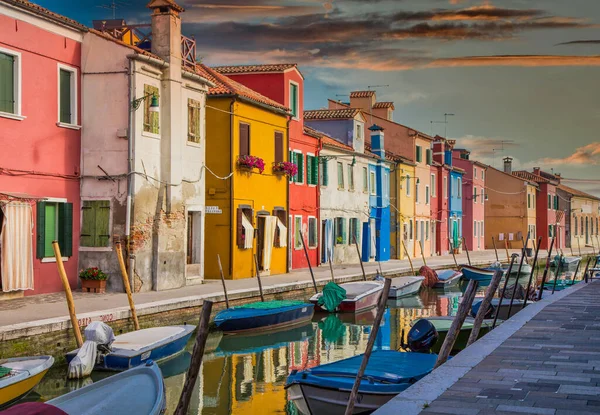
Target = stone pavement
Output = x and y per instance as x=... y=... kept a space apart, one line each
x=550 y=365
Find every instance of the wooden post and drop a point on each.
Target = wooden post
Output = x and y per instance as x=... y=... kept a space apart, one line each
x=558 y=270
x=578 y=246
x=331 y=268
x=453 y=255
x=512 y=297
x=422 y=254
x=585 y=273
x=571 y=247
x=196 y=361
x=223 y=281
x=370 y=344
x=136 y=324
x=508 y=272
x=524 y=250
x=412 y=270
x=70 y=303
x=495 y=250
x=360 y=259
x=466 y=250
x=485 y=304
x=576 y=271
x=506 y=248
x=533 y=267
x=462 y=313
x=309 y=266
x=262 y=297
x=546 y=270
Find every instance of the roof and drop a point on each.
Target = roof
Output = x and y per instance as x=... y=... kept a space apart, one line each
x=530 y=176
x=328 y=141
x=227 y=86
x=390 y=156
x=576 y=192
x=264 y=68
x=386 y=104
x=311 y=132
x=532 y=183
x=127 y=45
x=362 y=94
x=39 y=10
x=338 y=114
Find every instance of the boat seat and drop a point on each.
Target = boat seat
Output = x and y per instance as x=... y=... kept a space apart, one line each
x=354 y=290
x=136 y=340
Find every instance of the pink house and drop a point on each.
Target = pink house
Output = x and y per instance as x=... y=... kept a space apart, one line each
x=440 y=204
x=40 y=54
x=473 y=199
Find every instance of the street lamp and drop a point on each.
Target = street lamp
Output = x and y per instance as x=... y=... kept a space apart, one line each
x=154 y=106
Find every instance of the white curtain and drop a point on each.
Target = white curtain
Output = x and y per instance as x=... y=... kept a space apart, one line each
x=269 y=238
x=249 y=233
x=282 y=240
x=16 y=247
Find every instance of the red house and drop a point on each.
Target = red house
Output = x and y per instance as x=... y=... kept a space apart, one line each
x=284 y=83
x=440 y=202
x=40 y=54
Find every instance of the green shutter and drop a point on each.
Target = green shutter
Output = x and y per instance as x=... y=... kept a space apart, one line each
x=50 y=229
x=309 y=169
x=292 y=159
x=102 y=222
x=88 y=223
x=300 y=160
x=7 y=83
x=344 y=231
x=41 y=229
x=428 y=156
x=325 y=173
x=65 y=229
x=294 y=99
x=315 y=170
x=419 y=155
x=65 y=96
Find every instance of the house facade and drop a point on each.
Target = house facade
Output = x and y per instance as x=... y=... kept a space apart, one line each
x=581 y=223
x=284 y=83
x=402 y=206
x=441 y=179
x=40 y=120
x=247 y=135
x=424 y=237
x=143 y=156
x=455 y=198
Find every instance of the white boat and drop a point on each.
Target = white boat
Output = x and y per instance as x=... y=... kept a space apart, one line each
x=24 y=373
x=405 y=286
x=360 y=296
x=447 y=278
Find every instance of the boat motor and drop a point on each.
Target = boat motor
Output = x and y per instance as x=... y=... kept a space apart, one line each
x=98 y=338
x=422 y=336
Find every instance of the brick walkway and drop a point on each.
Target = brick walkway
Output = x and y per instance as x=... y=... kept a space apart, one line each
x=550 y=366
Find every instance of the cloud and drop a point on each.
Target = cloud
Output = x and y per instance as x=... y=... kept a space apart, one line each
x=588 y=155
x=484 y=12
x=580 y=42
x=485 y=147
x=242 y=10
x=516 y=60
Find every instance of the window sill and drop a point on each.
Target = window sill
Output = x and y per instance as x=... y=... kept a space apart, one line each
x=313 y=247
x=12 y=116
x=151 y=135
x=95 y=249
x=298 y=183
x=193 y=144
x=52 y=259
x=69 y=126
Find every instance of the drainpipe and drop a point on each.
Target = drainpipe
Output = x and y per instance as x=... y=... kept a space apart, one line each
x=319 y=224
x=287 y=195
x=232 y=216
x=130 y=169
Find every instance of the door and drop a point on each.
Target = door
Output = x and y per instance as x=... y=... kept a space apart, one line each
x=190 y=238
x=373 y=249
x=260 y=241
x=455 y=235
x=587 y=231
x=194 y=245
x=423 y=236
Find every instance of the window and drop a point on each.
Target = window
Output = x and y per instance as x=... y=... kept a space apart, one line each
x=312 y=169
x=386 y=185
x=419 y=154
x=359 y=130
x=482 y=229
x=555 y=202
x=95 y=217
x=549 y=202
x=194 y=108
x=475 y=228
x=245 y=227
x=426 y=195
x=528 y=200
x=417 y=185
x=350 y=177
x=474 y=194
x=340 y=231
x=373 y=183
x=244 y=139
x=340 y=174
x=428 y=157
x=445 y=187
x=354 y=230
x=408 y=185
x=427 y=230
x=482 y=196
x=297 y=232
x=324 y=173
x=550 y=228
x=417 y=230
x=365 y=180
x=459 y=185
x=297 y=158
x=474 y=172
x=278 y=147
x=313 y=239
x=581 y=221
x=410 y=230
x=54 y=223
x=575 y=225
x=10 y=87
x=433 y=185
x=152 y=118
x=294 y=99
x=67 y=95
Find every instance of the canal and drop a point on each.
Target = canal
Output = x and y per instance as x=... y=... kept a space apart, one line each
x=247 y=374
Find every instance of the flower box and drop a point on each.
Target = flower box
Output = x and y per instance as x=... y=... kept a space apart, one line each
x=249 y=163
x=285 y=168
x=93 y=280
x=94 y=286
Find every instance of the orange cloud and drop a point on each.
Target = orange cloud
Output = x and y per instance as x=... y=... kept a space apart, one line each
x=586 y=155
x=516 y=60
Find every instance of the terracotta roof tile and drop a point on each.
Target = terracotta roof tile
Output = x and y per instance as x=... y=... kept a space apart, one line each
x=339 y=114
x=237 y=69
x=530 y=176
x=334 y=143
x=127 y=45
x=361 y=94
x=311 y=132
x=385 y=104
x=576 y=192
x=47 y=13
x=227 y=86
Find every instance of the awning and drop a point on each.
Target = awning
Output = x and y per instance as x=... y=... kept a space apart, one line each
x=282 y=234
x=248 y=233
x=20 y=197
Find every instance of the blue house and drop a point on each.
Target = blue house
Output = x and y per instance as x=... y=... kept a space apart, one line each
x=455 y=192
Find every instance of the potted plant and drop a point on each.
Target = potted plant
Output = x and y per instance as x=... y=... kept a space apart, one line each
x=249 y=163
x=93 y=280
x=285 y=168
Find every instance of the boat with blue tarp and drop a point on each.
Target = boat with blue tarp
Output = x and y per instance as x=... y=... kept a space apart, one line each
x=477 y=274
x=447 y=278
x=326 y=389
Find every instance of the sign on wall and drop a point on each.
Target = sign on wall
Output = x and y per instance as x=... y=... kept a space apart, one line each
x=213 y=210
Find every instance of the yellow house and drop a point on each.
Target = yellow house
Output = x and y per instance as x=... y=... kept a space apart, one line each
x=246 y=200
x=402 y=207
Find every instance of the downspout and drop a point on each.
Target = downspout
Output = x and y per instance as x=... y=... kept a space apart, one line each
x=231 y=167
x=129 y=208
x=319 y=224
x=287 y=196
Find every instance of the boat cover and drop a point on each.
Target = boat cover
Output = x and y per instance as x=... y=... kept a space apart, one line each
x=257 y=309
x=332 y=296
x=96 y=333
x=266 y=305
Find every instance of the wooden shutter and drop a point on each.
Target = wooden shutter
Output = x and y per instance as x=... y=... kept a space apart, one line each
x=65 y=229
x=244 y=139
x=325 y=172
x=300 y=162
x=41 y=229
x=278 y=147
x=309 y=169
x=428 y=156
x=88 y=223
x=102 y=223
x=419 y=155
x=65 y=96
x=344 y=231
x=193 y=121
x=315 y=180
x=292 y=159
x=239 y=228
x=7 y=83
x=151 y=119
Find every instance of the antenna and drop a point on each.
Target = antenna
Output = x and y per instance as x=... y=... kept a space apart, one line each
x=376 y=86
x=113 y=6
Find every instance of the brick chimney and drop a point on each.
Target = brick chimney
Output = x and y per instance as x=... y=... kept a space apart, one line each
x=508 y=165
x=364 y=100
x=536 y=171
x=384 y=110
x=166 y=30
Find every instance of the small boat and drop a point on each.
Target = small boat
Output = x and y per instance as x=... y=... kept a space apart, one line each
x=442 y=325
x=255 y=343
x=19 y=375
x=566 y=261
x=447 y=278
x=326 y=389
x=263 y=315
x=405 y=286
x=137 y=347
x=477 y=274
x=360 y=296
x=561 y=284
x=503 y=313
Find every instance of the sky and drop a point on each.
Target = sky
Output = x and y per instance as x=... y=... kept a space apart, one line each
x=520 y=76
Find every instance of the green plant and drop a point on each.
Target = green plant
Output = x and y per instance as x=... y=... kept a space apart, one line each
x=93 y=274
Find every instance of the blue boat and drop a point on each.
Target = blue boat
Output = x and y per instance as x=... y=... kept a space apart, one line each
x=269 y=315
x=326 y=389
x=477 y=274
x=447 y=278
x=137 y=347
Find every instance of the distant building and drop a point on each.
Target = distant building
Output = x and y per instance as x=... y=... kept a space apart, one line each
x=440 y=205
x=582 y=222
x=456 y=195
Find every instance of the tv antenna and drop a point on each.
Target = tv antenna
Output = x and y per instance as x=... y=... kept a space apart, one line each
x=375 y=86
x=114 y=4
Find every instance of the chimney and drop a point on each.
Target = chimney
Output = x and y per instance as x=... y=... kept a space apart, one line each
x=166 y=30
x=384 y=110
x=508 y=165
x=377 y=141
x=536 y=171
x=364 y=100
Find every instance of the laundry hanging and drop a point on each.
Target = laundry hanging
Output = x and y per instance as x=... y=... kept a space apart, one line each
x=269 y=238
x=16 y=247
x=248 y=233
x=327 y=240
x=282 y=237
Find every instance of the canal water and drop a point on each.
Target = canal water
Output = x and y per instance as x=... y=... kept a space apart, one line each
x=247 y=374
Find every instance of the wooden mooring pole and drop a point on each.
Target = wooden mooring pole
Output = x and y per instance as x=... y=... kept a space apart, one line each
x=422 y=253
x=136 y=324
x=512 y=297
x=545 y=274
x=508 y=272
x=462 y=313
x=194 y=369
x=362 y=268
x=587 y=267
x=412 y=270
x=485 y=304
x=506 y=249
x=70 y=303
x=370 y=344
x=331 y=267
x=453 y=255
x=262 y=297
x=223 y=281
x=533 y=267
x=312 y=275
x=495 y=250
x=466 y=250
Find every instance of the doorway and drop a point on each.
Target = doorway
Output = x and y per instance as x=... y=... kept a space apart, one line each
x=587 y=231
x=260 y=241
x=194 y=246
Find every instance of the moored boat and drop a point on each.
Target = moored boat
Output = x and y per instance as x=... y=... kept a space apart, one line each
x=447 y=278
x=477 y=274
x=325 y=389
x=442 y=325
x=405 y=286
x=19 y=375
x=502 y=312
x=263 y=315
x=360 y=296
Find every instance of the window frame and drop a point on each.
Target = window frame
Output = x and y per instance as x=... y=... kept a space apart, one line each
x=433 y=192
x=323 y=172
x=297 y=241
x=365 y=171
x=295 y=116
x=110 y=225
x=340 y=175
x=427 y=195
x=408 y=185
x=372 y=183
x=354 y=233
x=56 y=201
x=459 y=187
x=445 y=187
x=153 y=83
x=342 y=224
x=199 y=123
x=74 y=124
x=17 y=87
x=312 y=219
x=350 y=177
